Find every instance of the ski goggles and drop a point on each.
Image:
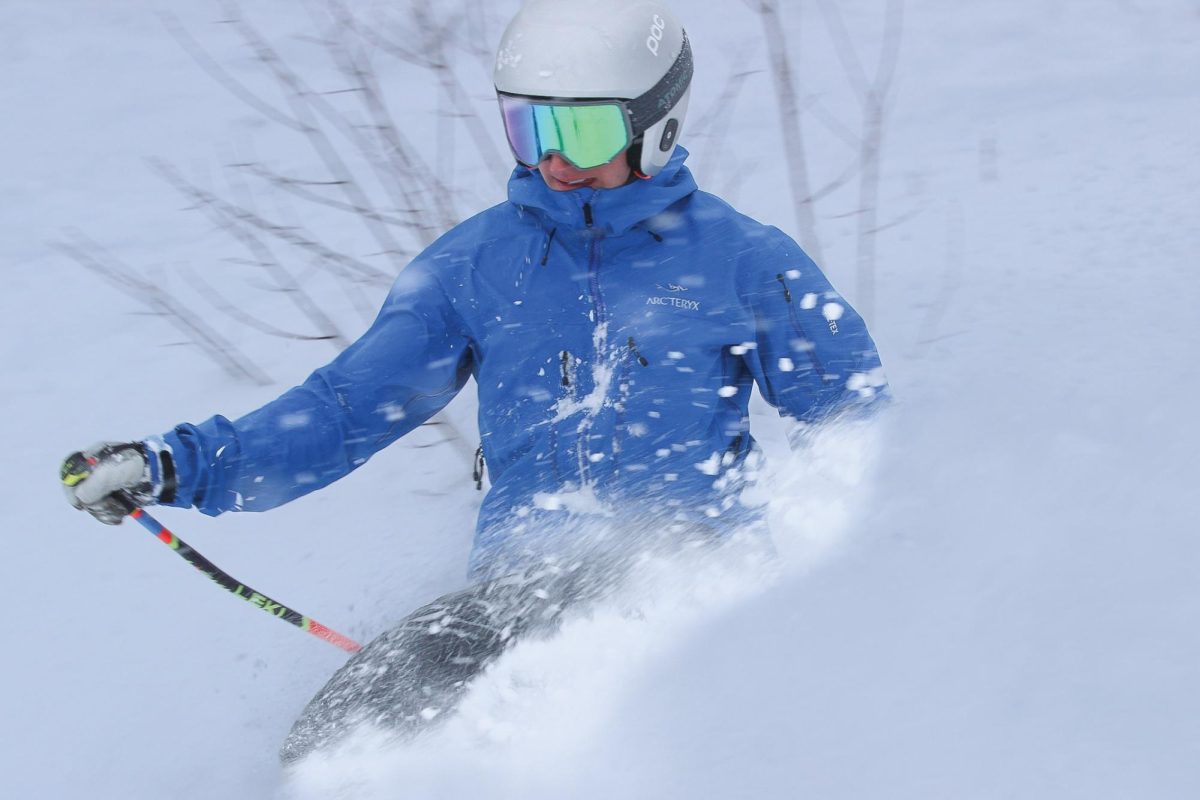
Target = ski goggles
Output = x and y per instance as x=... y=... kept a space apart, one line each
x=588 y=134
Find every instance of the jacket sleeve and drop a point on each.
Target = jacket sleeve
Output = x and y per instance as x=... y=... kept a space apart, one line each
x=813 y=357
x=411 y=362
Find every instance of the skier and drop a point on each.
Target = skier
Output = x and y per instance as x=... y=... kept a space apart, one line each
x=615 y=319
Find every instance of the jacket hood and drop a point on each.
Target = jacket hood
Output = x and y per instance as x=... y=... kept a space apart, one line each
x=613 y=210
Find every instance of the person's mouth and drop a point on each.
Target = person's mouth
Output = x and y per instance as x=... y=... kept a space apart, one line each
x=576 y=184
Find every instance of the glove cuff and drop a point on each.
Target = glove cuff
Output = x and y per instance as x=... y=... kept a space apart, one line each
x=161 y=465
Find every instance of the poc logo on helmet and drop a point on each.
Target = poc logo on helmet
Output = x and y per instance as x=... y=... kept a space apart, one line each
x=657 y=28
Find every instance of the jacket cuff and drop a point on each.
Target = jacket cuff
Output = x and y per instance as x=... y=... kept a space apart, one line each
x=162 y=469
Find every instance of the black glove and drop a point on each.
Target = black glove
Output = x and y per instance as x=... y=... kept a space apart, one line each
x=107 y=477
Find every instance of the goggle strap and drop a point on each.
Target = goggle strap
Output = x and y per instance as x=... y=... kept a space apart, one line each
x=652 y=106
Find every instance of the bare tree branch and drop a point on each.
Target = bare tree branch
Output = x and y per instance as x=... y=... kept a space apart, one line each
x=163 y=305
x=844 y=47
x=889 y=57
x=793 y=138
x=714 y=124
x=841 y=180
x=350 y=284
x=282 y=276
x=405 y=161
x=290 y=234
x=221 y=303
x=452 y=89
x=814 y=106
x=298 y=188
x=221 y=76
x=303 y=101
x=929 y=330
x=873 y=97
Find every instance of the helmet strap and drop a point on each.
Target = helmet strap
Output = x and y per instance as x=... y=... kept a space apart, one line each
x=633 y=157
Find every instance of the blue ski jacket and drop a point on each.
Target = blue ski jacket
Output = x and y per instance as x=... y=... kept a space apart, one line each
x=614 y=336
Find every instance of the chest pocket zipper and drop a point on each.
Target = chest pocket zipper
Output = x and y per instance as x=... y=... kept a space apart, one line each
x=564 y=359
x=546 y=249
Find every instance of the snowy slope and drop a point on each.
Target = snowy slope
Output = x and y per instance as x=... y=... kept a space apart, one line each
x=992 y=595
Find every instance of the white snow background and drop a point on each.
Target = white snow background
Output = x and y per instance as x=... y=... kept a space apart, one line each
x=992 y=594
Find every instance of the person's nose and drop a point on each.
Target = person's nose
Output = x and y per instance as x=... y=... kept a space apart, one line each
x=559 y=165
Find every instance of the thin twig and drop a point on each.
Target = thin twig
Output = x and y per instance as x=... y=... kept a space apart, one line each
x=221 y=76
x=292 y=235
x=203 y=335
x=222 y=304
x=351 y=286
x=299 y=188
x=283 y=277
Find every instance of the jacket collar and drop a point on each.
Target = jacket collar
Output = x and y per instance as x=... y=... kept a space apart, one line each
x=614 y=211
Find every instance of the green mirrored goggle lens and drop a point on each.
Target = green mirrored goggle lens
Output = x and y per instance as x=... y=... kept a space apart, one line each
x=586 y=135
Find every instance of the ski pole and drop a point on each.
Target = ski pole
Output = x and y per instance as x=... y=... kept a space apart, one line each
x=229 y=583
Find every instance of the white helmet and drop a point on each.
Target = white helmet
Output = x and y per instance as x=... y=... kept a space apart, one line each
x=629 y=51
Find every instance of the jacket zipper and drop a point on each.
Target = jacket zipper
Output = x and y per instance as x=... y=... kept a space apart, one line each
x=583 y=451
x=799 y=328
x=594 y=267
